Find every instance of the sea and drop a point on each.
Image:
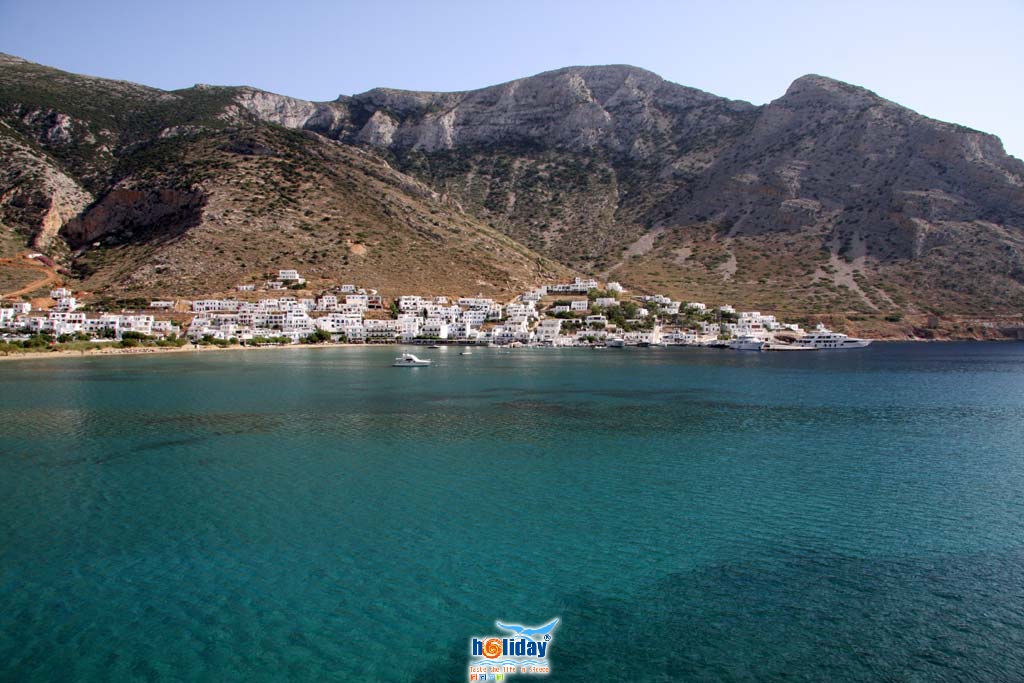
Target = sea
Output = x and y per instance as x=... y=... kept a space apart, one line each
x=687 y=514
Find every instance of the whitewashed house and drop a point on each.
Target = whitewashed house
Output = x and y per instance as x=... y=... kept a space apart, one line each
x=435 y=328
x=290 y=276
x=548 y=330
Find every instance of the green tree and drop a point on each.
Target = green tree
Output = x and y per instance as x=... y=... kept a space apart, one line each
x=318 y=337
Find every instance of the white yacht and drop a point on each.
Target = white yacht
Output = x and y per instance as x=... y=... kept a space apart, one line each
x=615 y=342
x=746 y=343
x=407 y=360
x=824 y=338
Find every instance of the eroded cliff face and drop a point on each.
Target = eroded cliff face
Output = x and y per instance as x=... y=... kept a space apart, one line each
x=325 y=117
x=133 y=215
x=36 y=197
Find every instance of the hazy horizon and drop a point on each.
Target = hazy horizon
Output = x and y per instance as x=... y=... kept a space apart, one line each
x=934 y=58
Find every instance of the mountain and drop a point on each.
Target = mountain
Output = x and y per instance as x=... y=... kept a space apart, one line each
x=145 y=192
x=829 y=199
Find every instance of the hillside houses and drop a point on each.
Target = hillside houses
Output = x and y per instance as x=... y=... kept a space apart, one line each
x=60 y=322
x=357 y=315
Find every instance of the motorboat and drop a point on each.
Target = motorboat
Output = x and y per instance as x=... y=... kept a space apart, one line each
x=746 y=343
x=408 y=360
x=615 y=343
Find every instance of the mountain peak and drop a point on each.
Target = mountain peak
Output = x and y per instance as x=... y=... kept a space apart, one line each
x=817 y=87
x=603 y=70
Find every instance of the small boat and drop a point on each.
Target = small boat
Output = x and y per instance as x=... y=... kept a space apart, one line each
x=408 y=360
x=434 y=346
x=466 y=353
x=746 y=343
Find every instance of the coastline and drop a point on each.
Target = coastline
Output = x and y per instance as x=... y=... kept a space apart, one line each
x=156 y=350
x=152 y=351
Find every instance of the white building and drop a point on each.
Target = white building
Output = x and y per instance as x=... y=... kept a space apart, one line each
x=327 y=302
x=474 y=317
x=381 y=330
x=411 y=304
x=671 y=308
x=463 y=331
x=66 y=303
x=211 y=305
x=527 y=310
x=548 y=329
x=435 y=328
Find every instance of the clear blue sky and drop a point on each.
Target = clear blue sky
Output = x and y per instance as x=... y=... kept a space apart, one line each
x=956 y=61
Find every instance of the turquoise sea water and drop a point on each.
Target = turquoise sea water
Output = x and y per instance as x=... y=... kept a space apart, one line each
x=690 y=515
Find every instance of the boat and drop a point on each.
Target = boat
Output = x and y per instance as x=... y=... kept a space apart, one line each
x=747 y=343
x=466 y=353
x=408 y=360
x=824 y=338
x=783 y=346
x=615 y=343
x=434 y=346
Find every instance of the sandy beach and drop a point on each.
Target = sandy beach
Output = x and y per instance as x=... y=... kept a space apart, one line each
x=149 y=351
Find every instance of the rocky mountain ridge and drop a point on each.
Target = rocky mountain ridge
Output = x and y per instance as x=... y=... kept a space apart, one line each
x=827 y=199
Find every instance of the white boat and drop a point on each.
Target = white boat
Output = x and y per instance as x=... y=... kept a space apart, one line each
x=407 y=360
x=466 y=353
x=746 y=343
x=824 y=338
x=782 y=346
x=615 y=343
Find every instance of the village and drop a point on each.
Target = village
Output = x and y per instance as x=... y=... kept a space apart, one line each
x=578 y=313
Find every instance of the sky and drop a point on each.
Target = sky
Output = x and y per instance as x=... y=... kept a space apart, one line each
x=956 y=61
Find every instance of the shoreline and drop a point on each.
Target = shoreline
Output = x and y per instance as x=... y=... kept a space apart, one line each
x=156 y=350
x=153 y=351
